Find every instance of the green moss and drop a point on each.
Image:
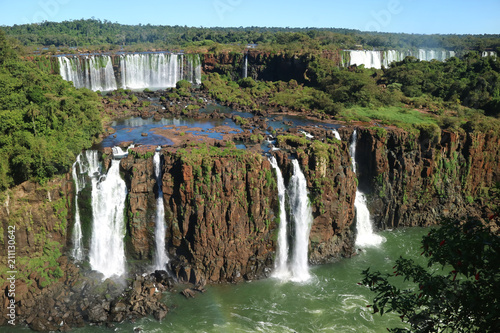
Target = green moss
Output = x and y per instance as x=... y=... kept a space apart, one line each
x=291 y=140
x=146 y=155
x=61 y=212
x=45 y=265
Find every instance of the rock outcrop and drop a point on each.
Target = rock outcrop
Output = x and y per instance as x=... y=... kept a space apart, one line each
x=415 y=178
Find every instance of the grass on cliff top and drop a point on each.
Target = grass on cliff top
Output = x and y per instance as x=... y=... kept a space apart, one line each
x=411 y=119
x=391 y=115
x=202 y=151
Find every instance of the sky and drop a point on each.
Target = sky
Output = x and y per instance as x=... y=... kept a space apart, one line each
x=408 y=16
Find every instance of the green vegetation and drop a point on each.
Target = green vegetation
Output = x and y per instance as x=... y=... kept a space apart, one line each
x=410 y=94
x=465 y=297
x=291 y=140
x=45 y=267
x=247 y=92
x=473 y=81
x=45 y=123
x=143 y=155
x=104 y=35
x=196 y=153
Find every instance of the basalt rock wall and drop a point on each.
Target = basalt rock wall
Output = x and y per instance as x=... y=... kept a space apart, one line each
x=415 y=178
x=222 y=211
x=219 y=211
x=265 y=65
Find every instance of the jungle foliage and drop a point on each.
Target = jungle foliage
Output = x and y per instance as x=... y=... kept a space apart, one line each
x=45 y=121
x=463 y=297
x=108 y=35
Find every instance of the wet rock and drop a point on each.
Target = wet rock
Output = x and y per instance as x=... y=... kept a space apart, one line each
x=188 y=293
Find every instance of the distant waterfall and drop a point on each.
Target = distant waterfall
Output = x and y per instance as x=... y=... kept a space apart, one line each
x=92 y=72
x=107 y=253
x=77 y=252
x=365 y=236
x=377 y=59
x=158 y=70
x=244 y=73
x=370 y=59
x=488 y=54
x=137 y=70
x=161 y=258
x=281 y=272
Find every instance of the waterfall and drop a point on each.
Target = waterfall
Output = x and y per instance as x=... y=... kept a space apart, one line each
x=102 y=76
x=377 y=59
x=158 y=70
x=71 y=70
x=161 y=258
x=370 y=59
x=281 y=265
x=92 y=72
x=77 y=252
x=302 y=216
x=488 y=54
x=245 y=67
x=337 y=135
x=138 y=71
x=297 y=269
x=365 y=236
x=107 y=253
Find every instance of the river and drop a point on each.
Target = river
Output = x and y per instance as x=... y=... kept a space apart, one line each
x=331 y=301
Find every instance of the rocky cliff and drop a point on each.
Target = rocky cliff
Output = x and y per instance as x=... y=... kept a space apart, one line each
x=266 y=66
x=413 y=178
x=219 y=209
x=222 y=209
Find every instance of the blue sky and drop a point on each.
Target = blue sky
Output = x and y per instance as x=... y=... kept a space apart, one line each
x=410 y=16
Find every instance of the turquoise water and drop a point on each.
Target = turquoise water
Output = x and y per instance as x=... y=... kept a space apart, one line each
x=331 y=302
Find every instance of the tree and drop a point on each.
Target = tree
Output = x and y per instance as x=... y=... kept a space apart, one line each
x=465 y=297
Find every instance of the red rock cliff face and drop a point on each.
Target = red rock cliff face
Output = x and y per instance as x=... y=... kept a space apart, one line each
x=220 y=215
x=221 y=212
x=414 y=179
x=140 y=179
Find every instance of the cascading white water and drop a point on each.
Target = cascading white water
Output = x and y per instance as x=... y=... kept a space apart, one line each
x=101 y=73
x=92 y=72
x=77 y=252
x=158 y=70
x=71 y=70
x=370 y=59
x=377 y=59
x=138 y=71
x=161 y=258
x=488 y=54
x=107 y=252
x=281 y=264
x=245 y=67
x=365 y=236
x=302 y=216
x=337 y=135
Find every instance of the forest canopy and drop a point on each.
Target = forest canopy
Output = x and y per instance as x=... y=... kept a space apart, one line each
x=45 y=121
x=94 y=32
